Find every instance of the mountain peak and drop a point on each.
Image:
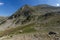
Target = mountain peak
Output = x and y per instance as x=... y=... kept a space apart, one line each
x=26 y=6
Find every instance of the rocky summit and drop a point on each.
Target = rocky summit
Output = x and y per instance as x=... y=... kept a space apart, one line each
x=40 y=22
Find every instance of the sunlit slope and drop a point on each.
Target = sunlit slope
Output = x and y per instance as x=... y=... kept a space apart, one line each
x=39 y=19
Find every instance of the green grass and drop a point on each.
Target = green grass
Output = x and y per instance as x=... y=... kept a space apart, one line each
x=28 y=29
x=12 y=31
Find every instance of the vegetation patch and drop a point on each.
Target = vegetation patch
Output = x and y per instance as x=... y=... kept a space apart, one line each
x=26 y=29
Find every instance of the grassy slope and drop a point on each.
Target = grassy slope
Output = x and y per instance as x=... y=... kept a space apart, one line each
x=48 y=24
x=11 y=31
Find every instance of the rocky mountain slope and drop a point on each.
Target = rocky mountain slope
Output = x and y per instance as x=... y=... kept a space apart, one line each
x=43 y=20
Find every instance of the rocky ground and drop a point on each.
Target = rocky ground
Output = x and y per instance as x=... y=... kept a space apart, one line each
x=31 y=36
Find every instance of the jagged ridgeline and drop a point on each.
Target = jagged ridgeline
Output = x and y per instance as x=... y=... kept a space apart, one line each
x=41 y=18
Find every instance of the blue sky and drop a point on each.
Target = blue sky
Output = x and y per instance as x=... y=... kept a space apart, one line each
x=8 y=7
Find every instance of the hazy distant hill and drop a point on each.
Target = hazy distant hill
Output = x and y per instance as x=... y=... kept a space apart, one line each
x=40 y=19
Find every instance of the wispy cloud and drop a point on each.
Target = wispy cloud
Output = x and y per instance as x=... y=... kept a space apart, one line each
x=1 y=3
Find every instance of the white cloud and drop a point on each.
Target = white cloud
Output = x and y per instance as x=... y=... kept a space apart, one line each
x=1 y=3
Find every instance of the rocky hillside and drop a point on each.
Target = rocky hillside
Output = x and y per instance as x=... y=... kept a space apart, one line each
x=44 y=20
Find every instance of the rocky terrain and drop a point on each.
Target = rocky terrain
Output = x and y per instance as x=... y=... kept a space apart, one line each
x=41 y=22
